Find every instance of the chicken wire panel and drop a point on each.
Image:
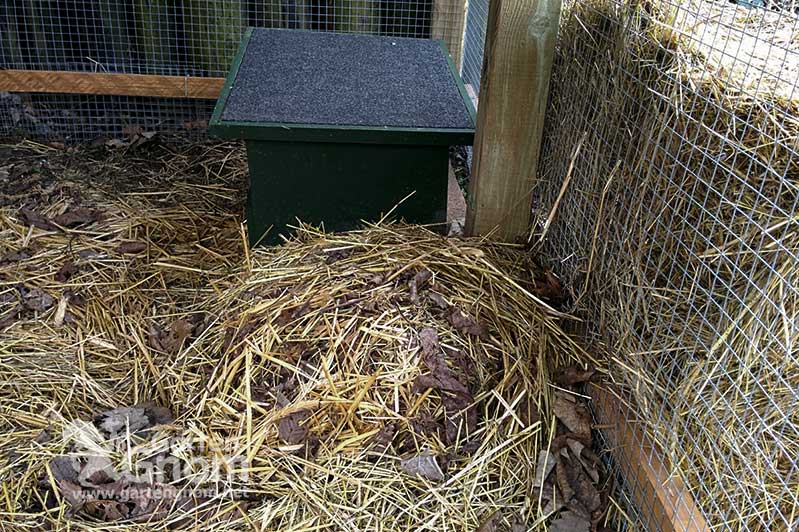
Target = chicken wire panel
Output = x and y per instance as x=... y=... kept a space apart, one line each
x=678 y=233
x=189 y=38
x=474 y=42
x=82 y=118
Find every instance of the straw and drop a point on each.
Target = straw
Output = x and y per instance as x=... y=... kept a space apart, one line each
x=298 y=370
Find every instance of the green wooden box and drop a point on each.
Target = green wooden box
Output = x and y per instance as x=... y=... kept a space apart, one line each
x=342 y=128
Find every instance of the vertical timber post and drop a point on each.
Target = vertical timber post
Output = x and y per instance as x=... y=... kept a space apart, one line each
x=520 y=45
x=449 y=17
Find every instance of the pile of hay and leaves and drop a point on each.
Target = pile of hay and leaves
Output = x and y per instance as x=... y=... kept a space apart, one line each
x=158 y=374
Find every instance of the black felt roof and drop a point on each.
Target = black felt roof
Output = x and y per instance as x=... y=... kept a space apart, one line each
x=303 y=77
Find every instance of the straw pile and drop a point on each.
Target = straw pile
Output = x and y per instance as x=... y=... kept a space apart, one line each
x=679 y=234
x=156 y=374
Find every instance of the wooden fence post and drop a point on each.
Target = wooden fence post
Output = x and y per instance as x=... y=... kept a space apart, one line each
x=449 y=17
x=520 y=44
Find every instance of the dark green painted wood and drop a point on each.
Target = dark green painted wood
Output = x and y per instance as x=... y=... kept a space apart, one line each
x=459 y=82
x=214 y=125
x=339 y=176
x=339 y=134
x=341 y=184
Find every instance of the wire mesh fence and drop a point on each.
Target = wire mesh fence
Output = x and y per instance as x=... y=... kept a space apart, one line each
x=672 y=127
x=474 y=42
x=678 y=234
x=158 y=37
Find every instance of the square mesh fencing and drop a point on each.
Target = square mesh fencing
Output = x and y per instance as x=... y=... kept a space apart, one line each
x=161 y=37
x=672 y=127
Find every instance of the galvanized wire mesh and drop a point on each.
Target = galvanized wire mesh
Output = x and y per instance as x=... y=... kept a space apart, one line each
x=160 y=37
x=474 y=42
x=678 y=234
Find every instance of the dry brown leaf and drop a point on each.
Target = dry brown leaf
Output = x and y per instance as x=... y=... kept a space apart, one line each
x=549 y=288
x=67 y=270
x=381 y=441
x=572 y=413
x=424 y=466
x=573 y=374
x=170 y=342
x=456 y=397
x=465 y=323
x=546 y=463
x=551 y=496
x=439 y=300
x=29 y=217
x=37 y=300
x=130 y=247
x=570 y=522
x=16 y=256
x=491 y=524
x=428 y=341
x=290 y=429
x=417 y=283
x=97 y=470
x=76 y=217
x=132 y=419
x=105 y=510
x=585 y=456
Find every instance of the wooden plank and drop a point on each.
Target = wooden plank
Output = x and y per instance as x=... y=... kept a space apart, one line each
x=49 y=81
x=520 y=43
x=449 y=17
x=662 y=499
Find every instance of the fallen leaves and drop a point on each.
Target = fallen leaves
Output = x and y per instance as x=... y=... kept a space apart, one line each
x=570 y=522
x=572 y=413
x=132 y=419
x=573 y=374
x=465 y=323
x=131 y=248
x=424 y=466
x=417 y=283
x=66 y=271
x=382 y=440
x=290 y=428
x=170 y=341
x=460 y=417
x=569 y=475
x=69 y=219
x=88 y=480
x=36 y=299
x=28 y=217
x=77 y=217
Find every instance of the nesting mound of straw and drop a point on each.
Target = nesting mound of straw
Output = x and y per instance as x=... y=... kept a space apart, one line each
x=156 y=374
x=679 y=235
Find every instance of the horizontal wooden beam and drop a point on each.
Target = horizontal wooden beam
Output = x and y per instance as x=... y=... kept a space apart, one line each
x=662 y=499
x=50 y=81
